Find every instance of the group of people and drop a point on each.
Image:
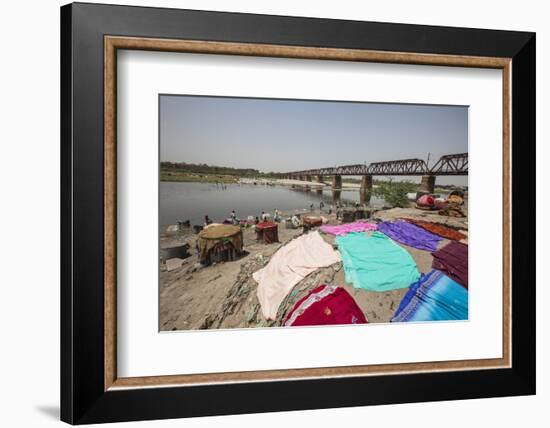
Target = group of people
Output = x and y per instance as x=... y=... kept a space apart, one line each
x=261 y=218
x=276 y=215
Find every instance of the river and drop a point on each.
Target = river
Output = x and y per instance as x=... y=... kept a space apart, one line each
x=181 y=201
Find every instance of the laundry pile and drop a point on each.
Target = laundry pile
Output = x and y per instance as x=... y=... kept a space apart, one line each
x=375 y=257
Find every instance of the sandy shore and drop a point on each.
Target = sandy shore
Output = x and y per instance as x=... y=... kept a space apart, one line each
x=294 y=182
x=223 y=295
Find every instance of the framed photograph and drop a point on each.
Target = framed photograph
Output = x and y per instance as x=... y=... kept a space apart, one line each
x=266 y=213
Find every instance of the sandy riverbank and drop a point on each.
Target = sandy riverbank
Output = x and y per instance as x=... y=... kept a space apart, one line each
x=224 y=295
x=314 y=184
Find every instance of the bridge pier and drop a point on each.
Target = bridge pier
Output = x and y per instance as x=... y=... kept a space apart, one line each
x=364 y=197
x=319 y=179
x=337 y=182
x=365 y=189
x=366 y=183
x=427 y=184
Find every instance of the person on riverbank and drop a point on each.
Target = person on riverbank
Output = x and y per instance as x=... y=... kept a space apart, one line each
x=338 y=212
x=276 y=216
x=207 y=220
x=234 y=217
x=321 y=206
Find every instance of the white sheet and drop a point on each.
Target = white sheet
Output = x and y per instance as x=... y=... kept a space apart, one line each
x=288 y=266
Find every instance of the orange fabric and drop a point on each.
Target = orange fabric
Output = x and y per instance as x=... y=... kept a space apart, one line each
x=313 y=221
x=438 y=229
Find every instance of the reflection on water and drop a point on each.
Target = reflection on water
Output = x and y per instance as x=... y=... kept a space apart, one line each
x=182 y=201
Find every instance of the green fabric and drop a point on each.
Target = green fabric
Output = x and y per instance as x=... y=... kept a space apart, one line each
x=375 y=262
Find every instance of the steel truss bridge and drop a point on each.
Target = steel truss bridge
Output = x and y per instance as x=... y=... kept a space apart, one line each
x=456 y=164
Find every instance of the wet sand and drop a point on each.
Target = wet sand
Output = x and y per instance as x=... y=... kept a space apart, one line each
x=223 y=295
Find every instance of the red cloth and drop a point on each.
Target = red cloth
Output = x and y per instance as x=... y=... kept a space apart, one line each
x=325 y=305
x=265 y=225
x=426 y=201
x=439 y=229
x=452 y=260
x=268 y=231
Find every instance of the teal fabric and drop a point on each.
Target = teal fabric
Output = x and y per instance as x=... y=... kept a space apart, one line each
x=376 y=263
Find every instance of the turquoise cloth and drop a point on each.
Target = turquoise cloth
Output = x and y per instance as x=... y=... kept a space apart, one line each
x=375 y=262
x=435 y=297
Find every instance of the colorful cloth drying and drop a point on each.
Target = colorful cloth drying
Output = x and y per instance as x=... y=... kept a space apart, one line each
x=438 y=229
x=375 y=262
x=426 y=201
x=452 y=260
x=325 y=305
x=342 y=229
x=267 y=231
x=288 y=266
x=435 y=297
x=409 y=234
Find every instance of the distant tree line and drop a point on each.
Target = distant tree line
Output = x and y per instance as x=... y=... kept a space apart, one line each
x=211 y=169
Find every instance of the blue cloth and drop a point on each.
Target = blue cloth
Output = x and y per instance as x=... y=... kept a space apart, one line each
x=434 y=297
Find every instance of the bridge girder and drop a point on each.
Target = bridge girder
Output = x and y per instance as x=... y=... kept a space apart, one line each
x=455 y=164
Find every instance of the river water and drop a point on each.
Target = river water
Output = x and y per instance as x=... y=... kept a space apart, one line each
x=192 y=201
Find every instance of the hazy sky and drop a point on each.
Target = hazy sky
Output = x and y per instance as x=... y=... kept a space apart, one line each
x=286 y=135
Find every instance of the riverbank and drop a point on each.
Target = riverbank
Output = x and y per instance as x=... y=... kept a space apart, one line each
x=188 y=177
x=223 y=295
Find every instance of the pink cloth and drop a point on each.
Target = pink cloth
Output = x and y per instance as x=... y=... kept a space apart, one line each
x=425 y=200
x=342 y=229
x=288 y=266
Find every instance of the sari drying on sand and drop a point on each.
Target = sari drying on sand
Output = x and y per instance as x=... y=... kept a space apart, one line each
x=325 y=305
x=288 y=266
x=409 y=234
x=435 y=297
x=375 y=262
x=438 y=229
x=452 y=260
x=342 y=229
